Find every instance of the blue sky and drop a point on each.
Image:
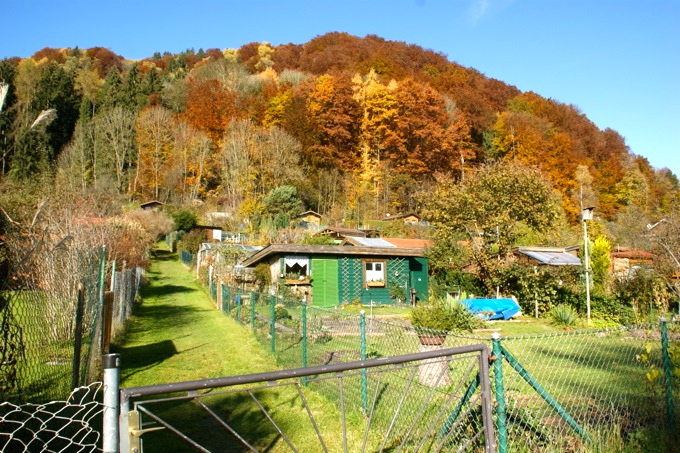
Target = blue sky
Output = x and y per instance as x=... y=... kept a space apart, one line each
x=618 y=61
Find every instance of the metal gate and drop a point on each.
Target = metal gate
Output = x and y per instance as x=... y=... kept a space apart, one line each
x=436 y=400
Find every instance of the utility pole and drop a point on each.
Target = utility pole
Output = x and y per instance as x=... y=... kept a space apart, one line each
x=587 y=214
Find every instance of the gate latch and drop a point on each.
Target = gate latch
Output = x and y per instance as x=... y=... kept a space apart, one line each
x=135 y=431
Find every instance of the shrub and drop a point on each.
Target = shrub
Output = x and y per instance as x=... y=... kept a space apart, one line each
x=184 y=220
x=563 y=315
x=444 y=314
x=280 y=312
x=263 y=276
x=192 y=241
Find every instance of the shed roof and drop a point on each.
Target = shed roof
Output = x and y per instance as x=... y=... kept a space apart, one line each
x=367 y=242
x=550 y=255
x=151 y=203
x=410 y=243
x=401 y=216
x=306 y=213
x=278 y=249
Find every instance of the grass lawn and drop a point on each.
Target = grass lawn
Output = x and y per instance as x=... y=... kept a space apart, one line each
x=176 y=334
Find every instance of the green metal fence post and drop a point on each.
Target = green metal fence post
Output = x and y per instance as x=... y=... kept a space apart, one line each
x=228 y=301
x=544 y=394
x=500 y=393
x=303 y=315
x=364 y=377
x=668 y=373
x=456 y=412
x=272 y=321
x=238 y=302
x=252 y=310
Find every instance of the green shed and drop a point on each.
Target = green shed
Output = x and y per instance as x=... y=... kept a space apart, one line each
x=334 y=274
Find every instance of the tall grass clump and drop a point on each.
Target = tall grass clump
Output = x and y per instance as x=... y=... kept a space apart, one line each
x=563 y=315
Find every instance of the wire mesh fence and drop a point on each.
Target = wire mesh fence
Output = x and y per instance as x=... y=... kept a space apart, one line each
x=560 y=391
x=53 y=322
x=393 y=404
x=59 y=426
x=50 y=309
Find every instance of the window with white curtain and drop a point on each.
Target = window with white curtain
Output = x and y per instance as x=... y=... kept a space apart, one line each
x=296 y=265
x=374 y=273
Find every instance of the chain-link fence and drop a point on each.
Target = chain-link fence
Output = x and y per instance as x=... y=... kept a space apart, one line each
x=553 y=392
x=51 y=305
x=59 y=426
x=56 y=318
x=186 y=258
x=124 y=291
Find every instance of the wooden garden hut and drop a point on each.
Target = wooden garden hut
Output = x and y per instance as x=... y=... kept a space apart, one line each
x=333 y=274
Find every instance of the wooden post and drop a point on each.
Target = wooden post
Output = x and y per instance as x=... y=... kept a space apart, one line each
x=78 y=337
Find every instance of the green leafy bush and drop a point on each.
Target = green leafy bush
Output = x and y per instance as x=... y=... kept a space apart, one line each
x=263 y=276
x=444 y=314
x=564 y=315
x=184 y=220
x=192 y=241
x=280 y=312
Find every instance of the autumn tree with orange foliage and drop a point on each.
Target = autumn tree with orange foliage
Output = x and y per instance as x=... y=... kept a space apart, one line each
x=154 y=131
x=335 y=117
x=426 y=139
x=210 y=106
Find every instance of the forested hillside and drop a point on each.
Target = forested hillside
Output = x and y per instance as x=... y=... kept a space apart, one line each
x=360 y=127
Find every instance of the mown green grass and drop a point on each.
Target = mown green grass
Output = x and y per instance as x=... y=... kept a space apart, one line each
x=177 y=335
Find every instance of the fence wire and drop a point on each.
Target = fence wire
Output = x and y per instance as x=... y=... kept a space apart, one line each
x=59 y=426
x=396 y=404
x=51 y=321
x=563 y=391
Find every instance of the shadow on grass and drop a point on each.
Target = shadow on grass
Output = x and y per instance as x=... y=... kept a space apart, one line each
x=140 y=358
x=238 y=411
x=164 y=255
x=164 y=290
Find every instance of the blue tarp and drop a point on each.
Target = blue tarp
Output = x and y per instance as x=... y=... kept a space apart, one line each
x=492 y=308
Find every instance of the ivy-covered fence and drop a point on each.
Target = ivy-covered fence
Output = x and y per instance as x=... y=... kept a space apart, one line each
x=553 y=392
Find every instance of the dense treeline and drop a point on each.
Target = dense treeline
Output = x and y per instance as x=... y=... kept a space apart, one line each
x=359 y=126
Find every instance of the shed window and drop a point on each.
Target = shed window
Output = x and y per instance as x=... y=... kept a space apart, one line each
x=297 y=266
x=374 y=273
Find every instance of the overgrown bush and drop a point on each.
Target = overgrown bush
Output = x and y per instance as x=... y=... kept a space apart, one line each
x=445 y=313
x=263 y=276
x=281 y=313
x=191 y=242
x=156 y=223
x=184 y=220
x=546 y=286
x=612 y=310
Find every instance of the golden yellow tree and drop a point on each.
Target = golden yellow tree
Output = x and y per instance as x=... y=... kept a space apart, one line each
x=155 y=139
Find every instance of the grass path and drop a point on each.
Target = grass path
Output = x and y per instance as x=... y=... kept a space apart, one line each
x=176 y=334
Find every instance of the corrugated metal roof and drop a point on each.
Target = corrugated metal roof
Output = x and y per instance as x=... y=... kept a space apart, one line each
x=372 y=242
x=553 y=258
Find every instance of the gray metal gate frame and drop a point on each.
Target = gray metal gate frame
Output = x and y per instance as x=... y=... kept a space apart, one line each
x=122 y=431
